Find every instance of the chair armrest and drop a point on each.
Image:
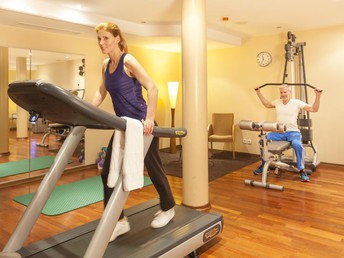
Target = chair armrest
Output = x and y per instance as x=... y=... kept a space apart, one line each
x=233 y=131
x=210 y=129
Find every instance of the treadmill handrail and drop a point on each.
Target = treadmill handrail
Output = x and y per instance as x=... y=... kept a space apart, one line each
x=50 y=101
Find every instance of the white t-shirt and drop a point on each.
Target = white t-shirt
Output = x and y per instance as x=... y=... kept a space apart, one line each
x=287 y=114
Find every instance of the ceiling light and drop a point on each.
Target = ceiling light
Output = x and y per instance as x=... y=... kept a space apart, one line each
x=241 y=22
x=19 y=6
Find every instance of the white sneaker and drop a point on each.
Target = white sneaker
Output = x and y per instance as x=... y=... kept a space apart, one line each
x=162 y=218
x=121 y=228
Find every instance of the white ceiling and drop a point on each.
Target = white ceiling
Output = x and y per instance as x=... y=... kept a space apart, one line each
x=157 y=23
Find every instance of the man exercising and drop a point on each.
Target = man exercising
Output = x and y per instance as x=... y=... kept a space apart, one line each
x=287 y=110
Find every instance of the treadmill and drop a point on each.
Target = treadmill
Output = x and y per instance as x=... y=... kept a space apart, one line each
x=187 y=231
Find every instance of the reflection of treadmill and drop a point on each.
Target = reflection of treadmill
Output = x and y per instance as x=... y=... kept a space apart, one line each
x=188 y=230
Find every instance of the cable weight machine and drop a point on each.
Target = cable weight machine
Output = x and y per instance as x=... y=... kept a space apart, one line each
x=272 y=152
x=294 y=75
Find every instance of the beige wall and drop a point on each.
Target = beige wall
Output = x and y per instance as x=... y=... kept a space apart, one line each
x=64 y=74
x=232 y=75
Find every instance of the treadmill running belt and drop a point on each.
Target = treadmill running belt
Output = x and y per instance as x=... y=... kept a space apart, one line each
x=140 y=241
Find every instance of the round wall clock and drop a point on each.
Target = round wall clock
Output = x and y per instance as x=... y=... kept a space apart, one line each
x=264 y=58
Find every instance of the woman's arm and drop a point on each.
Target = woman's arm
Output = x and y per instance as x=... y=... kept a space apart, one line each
x=100 y=94
x=136 y=70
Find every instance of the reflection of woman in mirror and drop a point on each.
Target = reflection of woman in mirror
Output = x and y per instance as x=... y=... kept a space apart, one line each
x=123 y=77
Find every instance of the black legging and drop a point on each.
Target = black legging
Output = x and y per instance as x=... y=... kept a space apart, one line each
x=155 y=171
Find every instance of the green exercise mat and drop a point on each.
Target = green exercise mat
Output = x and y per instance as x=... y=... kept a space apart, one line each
x=72 y=196
x=25 y=165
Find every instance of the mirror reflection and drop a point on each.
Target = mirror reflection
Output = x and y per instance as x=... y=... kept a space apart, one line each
x=33 y=146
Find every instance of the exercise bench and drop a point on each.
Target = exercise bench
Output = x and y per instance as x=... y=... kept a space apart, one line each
x=271 y=151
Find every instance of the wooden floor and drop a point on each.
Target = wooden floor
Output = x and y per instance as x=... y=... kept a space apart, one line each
x=305 y=220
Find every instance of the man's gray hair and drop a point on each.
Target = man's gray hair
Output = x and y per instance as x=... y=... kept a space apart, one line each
x=285 y=86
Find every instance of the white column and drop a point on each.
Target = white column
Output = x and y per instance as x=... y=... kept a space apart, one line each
x=4 y=116
x=22 y=114
x=195 y=145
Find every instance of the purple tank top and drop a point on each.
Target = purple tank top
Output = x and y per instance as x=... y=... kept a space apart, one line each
x=125 y=92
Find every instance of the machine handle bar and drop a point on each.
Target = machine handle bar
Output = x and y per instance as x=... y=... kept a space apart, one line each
x=289 y=84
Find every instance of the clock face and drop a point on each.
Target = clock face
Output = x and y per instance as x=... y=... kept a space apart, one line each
x=264 y=58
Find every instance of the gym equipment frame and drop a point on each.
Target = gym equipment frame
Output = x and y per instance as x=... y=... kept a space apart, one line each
x=294 y=70
x=269 y=155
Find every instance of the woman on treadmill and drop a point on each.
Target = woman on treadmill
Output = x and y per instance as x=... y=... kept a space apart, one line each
x=123 y=77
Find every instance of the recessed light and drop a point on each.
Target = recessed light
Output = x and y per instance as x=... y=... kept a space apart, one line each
x=241 y=22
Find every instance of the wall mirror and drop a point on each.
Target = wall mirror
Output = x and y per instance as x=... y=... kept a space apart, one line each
x=31 y=156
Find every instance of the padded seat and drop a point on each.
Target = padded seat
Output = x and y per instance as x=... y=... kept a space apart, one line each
x=57 y=129
x=277 y=147
x=57 y=126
